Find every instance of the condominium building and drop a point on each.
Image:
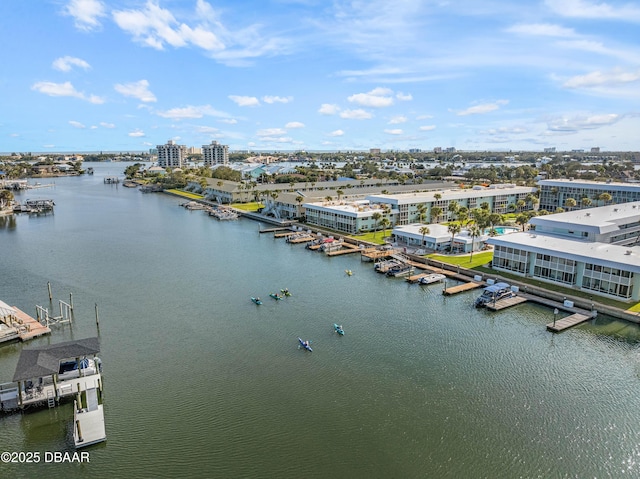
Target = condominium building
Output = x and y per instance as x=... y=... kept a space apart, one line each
x=215 y=154
x=555 y=193
x=591 y=250
x=171 y=155
x=415 y=207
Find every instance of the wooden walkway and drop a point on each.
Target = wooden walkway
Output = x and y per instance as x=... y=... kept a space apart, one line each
x=417 y=277
x=461 y=287
x=347 y=248
x=506 y=303
x=568 y=322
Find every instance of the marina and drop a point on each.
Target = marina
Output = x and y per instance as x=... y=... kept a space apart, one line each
x=422 y=384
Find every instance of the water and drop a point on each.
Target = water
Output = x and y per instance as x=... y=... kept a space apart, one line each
x=201 y=382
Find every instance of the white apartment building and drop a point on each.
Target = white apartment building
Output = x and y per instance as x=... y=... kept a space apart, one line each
x=591 y=250
x=171 y=155
x=554 y=193
x=215 y=154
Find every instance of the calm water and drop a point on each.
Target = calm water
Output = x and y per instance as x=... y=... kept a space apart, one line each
x=200 y=382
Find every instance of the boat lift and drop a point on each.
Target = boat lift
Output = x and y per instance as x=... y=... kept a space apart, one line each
x=66 y=314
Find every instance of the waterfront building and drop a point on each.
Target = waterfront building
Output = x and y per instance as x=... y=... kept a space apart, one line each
x=405 y=208
x=554 y=193
x=590 y=250
x=438 y=239
x=171 y=155
x=215 y=154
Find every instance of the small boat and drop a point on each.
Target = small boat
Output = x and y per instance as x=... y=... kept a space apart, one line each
x=256 y=300
x=338 y=329
x=348 y=272
x=305 y=344
x=432 y=278
x=285 y=292
x=493 y=293
x=275 y=296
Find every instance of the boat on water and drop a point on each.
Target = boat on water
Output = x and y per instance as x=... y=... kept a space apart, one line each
x=493 y=293
x=348 y=272
x=338 y=329
x=305 y=344
x=285 y=292
x=432 y=278
x=256 y=300
x=275 y=296
x=400 y=270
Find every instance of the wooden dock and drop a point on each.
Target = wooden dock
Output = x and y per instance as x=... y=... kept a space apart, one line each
x=16 y=324
x=282 y=235
x=417 y=277
x=347 y=248
x=460 y=288
x=88 y=421
x=505 y=303
x=568 y=322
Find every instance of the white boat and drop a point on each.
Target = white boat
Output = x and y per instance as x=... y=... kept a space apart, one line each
x=493 y=293
x=432 y=278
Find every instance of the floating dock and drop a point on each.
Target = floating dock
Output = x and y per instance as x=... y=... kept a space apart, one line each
x=460 y=288
x=505 y=303
x=88 y=421
x=568 y=322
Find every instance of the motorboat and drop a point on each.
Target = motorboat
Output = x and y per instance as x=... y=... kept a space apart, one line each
x=493 y=293
x=432 y=278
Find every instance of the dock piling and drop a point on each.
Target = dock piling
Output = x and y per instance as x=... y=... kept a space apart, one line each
x=49 y=287
x=97 y=319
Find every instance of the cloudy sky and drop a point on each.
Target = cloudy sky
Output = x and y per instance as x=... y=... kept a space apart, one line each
x=126 y=75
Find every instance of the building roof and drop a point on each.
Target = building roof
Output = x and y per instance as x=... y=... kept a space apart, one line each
x=591 y=185
x=437 y=232
x=448 y=195
x=602 y=254
x=600 y=220
x=45 y=361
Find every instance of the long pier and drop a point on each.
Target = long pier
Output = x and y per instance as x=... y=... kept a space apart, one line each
x=568 y=322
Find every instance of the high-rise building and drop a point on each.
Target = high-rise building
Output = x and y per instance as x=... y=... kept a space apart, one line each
x=171 y=155
x=215 y=154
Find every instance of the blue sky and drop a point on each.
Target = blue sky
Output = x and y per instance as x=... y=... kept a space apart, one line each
x=126 y=75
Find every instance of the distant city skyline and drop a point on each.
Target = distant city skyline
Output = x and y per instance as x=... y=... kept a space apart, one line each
x=289 y=75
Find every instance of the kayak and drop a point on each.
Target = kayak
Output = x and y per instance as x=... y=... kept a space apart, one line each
x=275 y=295
x=285 y=292
x=348 y=271
x=305 y=344
x=338 y=329
x=256 y=300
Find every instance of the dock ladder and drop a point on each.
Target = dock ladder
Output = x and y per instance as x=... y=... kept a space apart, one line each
x=51 y=399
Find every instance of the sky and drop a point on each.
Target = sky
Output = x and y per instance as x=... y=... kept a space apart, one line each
x=333 y=75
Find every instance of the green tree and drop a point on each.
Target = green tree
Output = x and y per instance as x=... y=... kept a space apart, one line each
x=376 y=217
x=475 y=231
x=454 y=228
x=424 y=230
x=436 y=211
x=385 y=223
x=570 y=203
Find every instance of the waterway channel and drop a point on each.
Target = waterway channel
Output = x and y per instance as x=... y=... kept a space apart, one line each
x=201 y=382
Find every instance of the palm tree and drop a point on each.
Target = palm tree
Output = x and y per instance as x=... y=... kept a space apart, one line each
x=424 y=230
x=485 y=206
x=453 y=228
x=385 y=223
x=475 y=232
x=521 y=204
x=328 y=198
x=339 y=193
x=606 y=197
x=436 y=211
x=437 y=196
x=522 y=220
x=299 y=200
x=586 y=202
x=422 y=212
x=376 y=217
x=570 y=202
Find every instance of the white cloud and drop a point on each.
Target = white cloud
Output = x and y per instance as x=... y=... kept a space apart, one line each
x=483 y=108
x=136 y=133
x=377 y=98
x=277 y=99
x=598 y=78
x=190 y=112
x=245 y=100
x=271 y=132
x=107 y=125
x=396 y=131
x=86 y=13
x=336 y=133
x=76 y=124
x=427 y=127
x=396 y=120
x=328 y=109
x=229 y=121
x=64 y=64
x=541 y=29
x=358 y=114
x=600 y=10
x=583 y=122
x=139 y=90
x=64 y=89
x=294 y=124
x=402 y=97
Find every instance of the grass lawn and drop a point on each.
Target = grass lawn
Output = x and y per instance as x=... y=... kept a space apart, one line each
x=376 y=238
x=248 y=206
x=186 y=194
x=466 y=261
